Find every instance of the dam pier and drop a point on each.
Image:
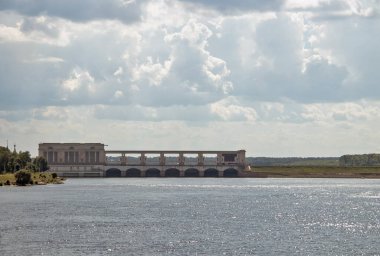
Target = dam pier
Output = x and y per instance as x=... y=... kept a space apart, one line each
x=92 y=160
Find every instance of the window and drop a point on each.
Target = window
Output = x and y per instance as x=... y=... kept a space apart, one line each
x=229 y=157
x=71 y=157
x=52 y=157
x=92 y=157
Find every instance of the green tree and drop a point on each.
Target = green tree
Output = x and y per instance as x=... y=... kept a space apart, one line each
x=23 y=158
x=360 y=160
x=13 y=165
x=40 y=164
x=5 y=155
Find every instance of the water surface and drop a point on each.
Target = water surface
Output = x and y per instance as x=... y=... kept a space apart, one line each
x=192 y=216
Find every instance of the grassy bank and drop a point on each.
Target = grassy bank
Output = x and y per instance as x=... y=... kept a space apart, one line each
x=313 y=172
x=38 y=178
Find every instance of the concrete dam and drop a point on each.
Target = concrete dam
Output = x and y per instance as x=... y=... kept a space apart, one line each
x=92 y=160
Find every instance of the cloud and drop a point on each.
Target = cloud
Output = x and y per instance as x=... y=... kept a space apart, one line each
x=189 y=74
x=325 y=82
x=290 y=56
x=258 y=138
x=39 y=72
x=323 y=10
x=276 y=73
x=270 y=57
x=239 y=6
x=192 y=61
x=353 y=112
x=79 y=79
x=354 y=48
x=152 y=72
x=154 y=114
x=36 y=30
x=275 y=57
x=79 y=11
x=230 y=110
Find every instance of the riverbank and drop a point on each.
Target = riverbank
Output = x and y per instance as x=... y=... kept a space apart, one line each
x=312 y=172
x=43 y=178
x=37 y=178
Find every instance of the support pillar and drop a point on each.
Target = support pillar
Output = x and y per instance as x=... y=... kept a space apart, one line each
x=201 y=159
x=123 y=159
x=241 y=158
x=181 y=159
x=219 y=159
x=143 y=159
x=162 y=159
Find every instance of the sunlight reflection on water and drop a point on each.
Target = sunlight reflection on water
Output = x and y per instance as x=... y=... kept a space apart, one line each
x=192 y=216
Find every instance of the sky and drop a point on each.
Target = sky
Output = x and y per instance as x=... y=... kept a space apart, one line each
x=276 y=78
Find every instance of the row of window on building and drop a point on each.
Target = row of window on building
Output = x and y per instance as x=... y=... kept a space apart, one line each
x=72 y=157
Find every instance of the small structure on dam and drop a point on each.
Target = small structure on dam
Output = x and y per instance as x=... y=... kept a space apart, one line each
x=92 y=160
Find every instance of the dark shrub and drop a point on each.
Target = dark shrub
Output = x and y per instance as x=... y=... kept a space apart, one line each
x=54 y=175
x=23 y=178
x=1 y=184
x=7 y=183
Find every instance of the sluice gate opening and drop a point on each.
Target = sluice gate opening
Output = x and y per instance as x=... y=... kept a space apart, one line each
x=152 y=172
x=230 y=172
x=192 y=172
x=172 y=172
x=211 y=172
x=133 y=172
x=113 y=172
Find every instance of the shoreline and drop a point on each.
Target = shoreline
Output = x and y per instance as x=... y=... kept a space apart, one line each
x=261 y=175
x=44 y=178
x=312 y=172
x=37 y=178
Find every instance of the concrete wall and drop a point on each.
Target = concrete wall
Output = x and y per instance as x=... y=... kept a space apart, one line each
x=101 y=170
x=78 y=170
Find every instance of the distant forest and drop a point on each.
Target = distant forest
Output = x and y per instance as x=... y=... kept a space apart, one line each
x=293 y=161
x=367 y=160
x=360 y=160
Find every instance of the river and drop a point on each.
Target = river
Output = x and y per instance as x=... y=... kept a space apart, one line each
x=192 y=216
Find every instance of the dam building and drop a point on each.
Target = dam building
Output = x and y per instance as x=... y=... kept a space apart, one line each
x=92 y=160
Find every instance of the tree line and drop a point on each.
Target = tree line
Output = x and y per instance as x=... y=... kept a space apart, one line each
x=293 y=161
x=15 y=161
x=360 y=160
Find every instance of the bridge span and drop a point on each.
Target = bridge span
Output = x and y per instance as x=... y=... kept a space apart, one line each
x=171 y=171
x=92 y=160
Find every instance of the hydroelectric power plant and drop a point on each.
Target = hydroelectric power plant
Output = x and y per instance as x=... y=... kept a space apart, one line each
x=92 y=160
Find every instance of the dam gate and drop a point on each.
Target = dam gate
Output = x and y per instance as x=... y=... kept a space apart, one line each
x=92 y=160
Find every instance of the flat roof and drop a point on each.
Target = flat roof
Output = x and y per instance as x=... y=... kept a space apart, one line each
x=70 y=143
x=173 y=151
